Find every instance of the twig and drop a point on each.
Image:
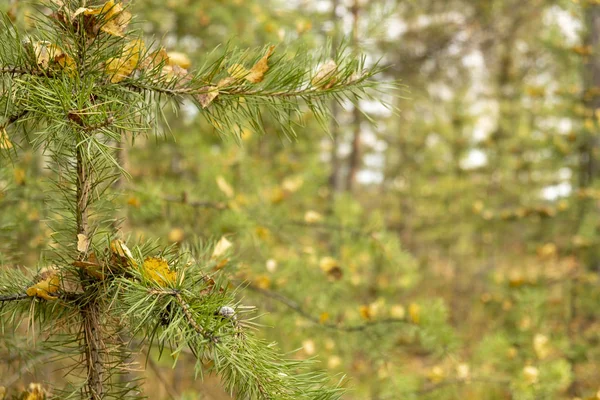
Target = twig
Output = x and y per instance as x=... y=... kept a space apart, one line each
x=190 y=318
x=14 y=297
x=299 y=310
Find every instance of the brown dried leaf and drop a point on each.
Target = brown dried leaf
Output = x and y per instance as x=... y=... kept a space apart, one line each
x=82 y=243
x=120 y=68
x=325 y=76
x=110 y=18
x=209 y=93
x=256 y=73
x=122 y=253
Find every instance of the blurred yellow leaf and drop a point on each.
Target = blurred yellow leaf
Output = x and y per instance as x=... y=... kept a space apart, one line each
x=157 y=269
x=225 y=187
x=334 y=362
x=463 y=371
x=19 y=174
x=134 y=201
x=312 y=217
x=398 y=311
x=531 y=374
x=262 y=232
x=277 y=195
x=331 y=267
x=176 y=235
x=179 y=59
x=221 y=247
x=540 y=345
x=5 y=142
x=46 y=284
x=436 y=374
x=34 y=392
x=324 y=317
x=263 y=282
x=292 y=184
x=414 y=312
x=365 y=312
x=309 y=346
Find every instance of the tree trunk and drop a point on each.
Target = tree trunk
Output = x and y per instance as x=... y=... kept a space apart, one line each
x=354 y=162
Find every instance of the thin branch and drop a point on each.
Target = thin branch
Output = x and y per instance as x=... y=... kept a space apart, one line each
x=299 y=310
x=190 y=318
x=14 y=297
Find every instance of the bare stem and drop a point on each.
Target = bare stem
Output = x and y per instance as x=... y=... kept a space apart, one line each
x=90 y=312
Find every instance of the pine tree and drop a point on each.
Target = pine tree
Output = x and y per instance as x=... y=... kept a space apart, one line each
x=75 y=88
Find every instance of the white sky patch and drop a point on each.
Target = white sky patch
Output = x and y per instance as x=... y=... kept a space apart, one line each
x=556 y=191
x=369 y=177
x=475 y=159
x=570 y=27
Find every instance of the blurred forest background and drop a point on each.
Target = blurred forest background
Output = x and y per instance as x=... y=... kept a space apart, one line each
x=447 y=250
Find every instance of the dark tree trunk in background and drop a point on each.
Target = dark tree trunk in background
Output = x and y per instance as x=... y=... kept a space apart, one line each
x=354 y=161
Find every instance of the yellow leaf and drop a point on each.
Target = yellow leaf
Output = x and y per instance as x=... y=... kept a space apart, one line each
x=179 y=59
x=224 y=186
x=110 y=18
x=256 y=73
x=221 y=247
x=5 y=142
x=259 y=69
x=324 y=317
x=34 y=392
x=157 y=269
x=46 y=284
x=325 y=76
x=82 y=243
x=120 y=68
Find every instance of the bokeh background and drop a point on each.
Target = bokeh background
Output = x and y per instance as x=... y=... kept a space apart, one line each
x=444 y=247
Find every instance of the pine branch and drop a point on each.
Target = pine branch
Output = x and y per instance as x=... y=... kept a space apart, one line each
x=14 y=297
